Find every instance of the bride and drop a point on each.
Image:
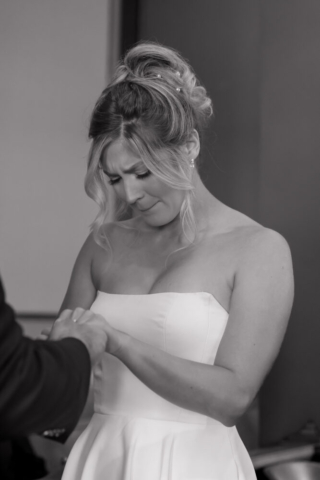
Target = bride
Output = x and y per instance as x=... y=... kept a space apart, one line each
x=196 y=295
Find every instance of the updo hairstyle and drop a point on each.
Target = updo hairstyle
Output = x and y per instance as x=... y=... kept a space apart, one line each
x=154 y=102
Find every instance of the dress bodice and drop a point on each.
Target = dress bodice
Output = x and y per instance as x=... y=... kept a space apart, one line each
x=186 y=325
x=134 y=433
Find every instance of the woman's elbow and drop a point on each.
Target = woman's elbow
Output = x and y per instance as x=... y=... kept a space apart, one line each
x=232 y=409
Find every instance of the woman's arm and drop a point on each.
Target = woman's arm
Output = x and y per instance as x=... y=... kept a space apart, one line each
x=81 y=291
x=260 y=307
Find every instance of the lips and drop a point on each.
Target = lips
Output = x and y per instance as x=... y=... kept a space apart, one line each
x=146 y=209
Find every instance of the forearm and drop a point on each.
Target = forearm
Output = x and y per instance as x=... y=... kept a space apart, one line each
x=41 y=393
x=207 y=389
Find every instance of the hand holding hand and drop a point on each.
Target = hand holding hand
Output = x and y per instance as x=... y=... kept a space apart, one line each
x=90 y=328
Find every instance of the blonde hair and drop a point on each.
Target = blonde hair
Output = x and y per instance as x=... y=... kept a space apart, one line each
x=155 y=103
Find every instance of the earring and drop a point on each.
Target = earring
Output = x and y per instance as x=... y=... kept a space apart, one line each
x=192 y=163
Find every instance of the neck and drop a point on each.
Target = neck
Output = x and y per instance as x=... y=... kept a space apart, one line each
x=205 y=205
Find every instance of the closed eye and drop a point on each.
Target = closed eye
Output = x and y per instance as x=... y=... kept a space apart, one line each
x=143 y=175
x=114 y=180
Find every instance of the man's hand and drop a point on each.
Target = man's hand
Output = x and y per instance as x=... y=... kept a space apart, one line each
x=84 y=325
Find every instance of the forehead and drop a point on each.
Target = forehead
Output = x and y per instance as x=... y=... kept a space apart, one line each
x=119 y=155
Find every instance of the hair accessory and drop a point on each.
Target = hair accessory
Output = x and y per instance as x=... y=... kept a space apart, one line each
x=178 y=73
x=158 y=75
x=178 y=89
x=192 y=163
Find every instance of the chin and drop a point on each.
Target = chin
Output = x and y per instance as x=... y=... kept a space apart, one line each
x=155 y=222
x=161 y=220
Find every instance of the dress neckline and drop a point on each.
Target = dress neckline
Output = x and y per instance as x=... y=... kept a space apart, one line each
x=164 y=293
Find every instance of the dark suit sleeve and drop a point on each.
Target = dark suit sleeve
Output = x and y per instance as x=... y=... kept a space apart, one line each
x=43 y=384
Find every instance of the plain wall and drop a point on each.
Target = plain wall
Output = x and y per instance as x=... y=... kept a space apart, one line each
x=289 y=200
x=260 y=63
x=55 y=58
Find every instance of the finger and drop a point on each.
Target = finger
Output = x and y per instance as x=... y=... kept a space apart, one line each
x=94 y=320
x=77 y=313
x=64 y=315
x=42 y=337
x=85 y=317
x=45 y=331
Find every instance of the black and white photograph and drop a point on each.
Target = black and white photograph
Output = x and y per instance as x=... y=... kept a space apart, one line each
x=159 y=239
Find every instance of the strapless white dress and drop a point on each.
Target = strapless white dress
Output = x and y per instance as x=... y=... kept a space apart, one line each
x=134 y=433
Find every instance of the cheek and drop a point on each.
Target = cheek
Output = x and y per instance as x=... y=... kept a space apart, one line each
x=170 y=197
x=179 y=198
x=174 y=199
x=163 y=191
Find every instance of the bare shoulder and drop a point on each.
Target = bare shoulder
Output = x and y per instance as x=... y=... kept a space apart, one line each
x=89 y=251
x=261 y=245
x=263 y=263
x=254 y=242
x=89 y=245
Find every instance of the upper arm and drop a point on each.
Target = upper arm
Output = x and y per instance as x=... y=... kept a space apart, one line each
x=260 y=307
x=81 y=291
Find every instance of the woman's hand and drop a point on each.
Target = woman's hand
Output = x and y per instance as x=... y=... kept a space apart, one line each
x=90 y=328
x=116 y=340
x=44 y=335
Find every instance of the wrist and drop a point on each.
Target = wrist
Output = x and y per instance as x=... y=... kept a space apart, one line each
x=118 y=343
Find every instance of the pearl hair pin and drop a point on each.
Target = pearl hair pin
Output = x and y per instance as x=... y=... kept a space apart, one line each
x=178 y=89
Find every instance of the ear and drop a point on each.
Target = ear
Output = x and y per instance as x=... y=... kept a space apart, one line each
x=192 y=146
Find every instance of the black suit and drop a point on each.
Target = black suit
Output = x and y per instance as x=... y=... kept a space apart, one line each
x=43 y=384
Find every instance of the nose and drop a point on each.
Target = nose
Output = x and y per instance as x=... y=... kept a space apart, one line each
x=133 y=191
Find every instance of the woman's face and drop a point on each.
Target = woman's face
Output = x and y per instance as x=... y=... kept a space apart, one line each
x=148 y=196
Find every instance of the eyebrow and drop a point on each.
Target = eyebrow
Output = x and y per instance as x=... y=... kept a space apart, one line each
x=128 y=170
